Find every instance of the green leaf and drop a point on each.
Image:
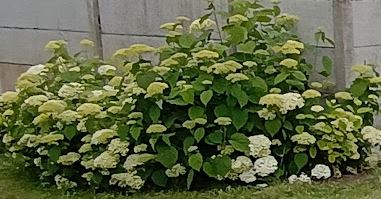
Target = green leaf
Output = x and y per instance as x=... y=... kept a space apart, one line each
x=190 y=179
x=199 y=134
x=167 y=156
x=247 y=47
x=240 y=142
x=196 y=112
x=219 y=85
x=187 y=40
x=259 y=83
x=54 y=153
x=328 y=65
x=280 y=78
x=166 y=138
x=219 y=166
x=70 y=132
x=222 y=111
x=123 y=131
x=145 y=79
x=159 y=178
x=188 y=142
x=313 y=152
x=287 y=125
x=273 y=126
x=188 y=96
x=206 y=96
x=299 y=129
x=195 y=161
x=135 y=132
x=301 y=160
x=240 y=95
x=359 y=86
x=154 y=113
x=239 y=118
x=298 y=84
x=236 y=34
x=215 y=138
x=299 y=75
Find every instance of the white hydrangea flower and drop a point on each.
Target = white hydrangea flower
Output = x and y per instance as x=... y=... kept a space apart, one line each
x=176 y=171
x=241 y=164
x=28 y=140
x=235 y=77
x=118 y=146
x=106 y=160
x=36 y=100
x=102 y=136
x=85 y=148
x=130 y=179
x=52 y=106
x=321 y=171
x=304 y=138
x=317 y=108
x=248 y=176
x=89 y=109
x=51 y=138
x=311 y=93
x=106 y=70
x=140 y=148
x=259 y=146
x=135 y=160
x=37 y=70
x=265 y=166
x=156 y=128
x=69 y=116
x=266 y=114
x=88 y=164
x=64 y=183
x=69 y=158
x=372 y=135
x=156 y=88
x=285 y=102
x=223 y=121
x=71 y=90
x=88 y=176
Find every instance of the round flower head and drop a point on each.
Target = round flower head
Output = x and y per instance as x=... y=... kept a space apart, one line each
x=316 y=85
x=292 y=47
x=223 y=121
x=311 y=93
x=237 y=19
x=241 y=164
x=106 y=70
x=317 y=108
x=288 y=21
x=266 y=114
x=9 y=97
x=64 y=183
x=37 y=70
x=69 y=116
x=106 y=160
x=52 y=106
x=176 y=171
x=289 y=63
x=55 y=44
x=259 y=146
x=304 y=138
x=248 y=176
x=51 y=138
x=321 y=171
x=127 y=179
x=156 y=128
x=71 y=90
x=235 y=77
x=156 y=88
x=161 y=70
x=69 y=158
x=87 y=109
x=265 y=166
x=206 y=54
x=87 y=43
x=343 y=96
x=36 y=100
x=372 y=135
x=133 y=50
x=363 y=70
x=102 y=136
x=169 y=62
x=118 y=146
x=140 y=148
x=198 y=26
x=224 y=68
x=135 y=160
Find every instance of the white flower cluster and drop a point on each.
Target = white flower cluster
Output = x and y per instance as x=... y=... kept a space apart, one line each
x=265 y=166
x=259 y=146
x=130 y=179
x=303 y=178
x=321 y=171
x=372 y=135
x=64 y=183
x=176 y=171
x=304 y=138
x=284 y=102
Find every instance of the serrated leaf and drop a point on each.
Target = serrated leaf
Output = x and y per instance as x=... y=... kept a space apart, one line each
x=206 y=96
x=247 y=47
x=123 y=131
x=239 y=118
x=215 y=138
x=240 y=142
x=221 y=111
x=219 y=166
x=195 y=161
x=240 y=95
x=187 y=40
x=359 y=87
x=188 y=96
x=154 y=113
x=167 y=156
x=70 y=132
x=196 y=112
x=280 y=78
x=301 y=160
x=236 y=34
x=199 y=134
x=159 y=178
x=273 y=126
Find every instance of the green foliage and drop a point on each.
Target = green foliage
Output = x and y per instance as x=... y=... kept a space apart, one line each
x=239 y=109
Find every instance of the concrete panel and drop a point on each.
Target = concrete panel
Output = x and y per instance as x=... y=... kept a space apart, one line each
x=111 y=43
x=313 y=14
x=27 y=46
x=144 y=17
x=8 y=76
x=366 y=22
x=369 y=55
x=46 y=14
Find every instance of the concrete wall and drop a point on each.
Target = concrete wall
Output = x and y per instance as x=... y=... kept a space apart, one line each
x=26 y=26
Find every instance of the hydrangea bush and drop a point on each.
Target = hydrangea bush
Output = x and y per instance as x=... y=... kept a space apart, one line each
x=238 y=108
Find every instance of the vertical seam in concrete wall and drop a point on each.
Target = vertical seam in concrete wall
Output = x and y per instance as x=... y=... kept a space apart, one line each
x=95 y=25
x=344 y=39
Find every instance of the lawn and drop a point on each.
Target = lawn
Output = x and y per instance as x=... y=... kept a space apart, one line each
x=16 y=184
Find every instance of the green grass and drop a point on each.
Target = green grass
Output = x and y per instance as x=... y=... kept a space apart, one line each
x=16 y=184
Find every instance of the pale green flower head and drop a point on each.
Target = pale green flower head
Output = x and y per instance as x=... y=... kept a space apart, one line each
x=130 y=179
x=317 y=108
x=206 y=54
x=106 y=70
x=64 y=183
x=311 y=93
x=55 y=44
x=115 y=81
x=52 y=106
x=266 y=114
x=156 y=88
x=237 y=19
x=289 y=63
x=292 y=47
x=287 y=20
x=176 y=171
x=169 y=62
x=304 y=139
x=87 y=43
x=37 y=70
x=161 y=70
x=9 y=97
x=115 y=109
x=198 y=26
x=363 y=70
x=69 y=158
x=51 y=138
x=69 y=116
x=189 y=124
x=41 y=118
x=224 y=68
x=106 y=160
x=87 y=109
x=102 y=136
x=235 y=77
x=135 y=160
x=85 y=148
x=135 y=115
x=140 y=148
x=343 y=96
x=156 y=128
x=316 y=85
x=133 y=50
x=223 y=121
x=118 y=146
x=36 y=100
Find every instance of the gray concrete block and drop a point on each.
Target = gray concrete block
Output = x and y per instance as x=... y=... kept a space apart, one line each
x=367 y=23
x=27 y=46
x=46 y=14
x=8 y=75
x=144 y=17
